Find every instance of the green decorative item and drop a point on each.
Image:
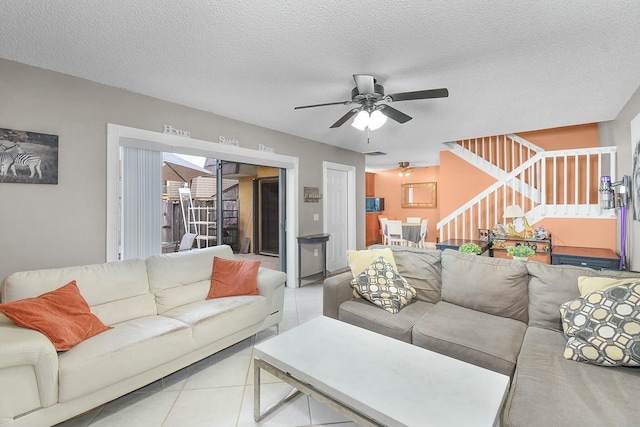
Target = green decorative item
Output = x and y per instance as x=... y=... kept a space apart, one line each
x=520 y=251
x=470 y=248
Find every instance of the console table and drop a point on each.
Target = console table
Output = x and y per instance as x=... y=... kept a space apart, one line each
x=456 y=243
x=596 y=258
x=313 y=239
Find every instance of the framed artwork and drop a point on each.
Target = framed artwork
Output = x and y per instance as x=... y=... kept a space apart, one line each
x=635 y=174
x=28 y=157
x=419 y=195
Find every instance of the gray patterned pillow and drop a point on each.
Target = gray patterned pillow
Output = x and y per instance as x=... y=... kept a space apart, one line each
x=603 y=327
x=383 y=286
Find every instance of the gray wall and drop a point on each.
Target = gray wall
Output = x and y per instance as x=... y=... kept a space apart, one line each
x=618 y=132
x=49 y=226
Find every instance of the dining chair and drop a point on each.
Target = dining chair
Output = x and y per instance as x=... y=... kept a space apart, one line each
x=423 y=233
x=413 y=220
x=383 y=230
x=394 y=229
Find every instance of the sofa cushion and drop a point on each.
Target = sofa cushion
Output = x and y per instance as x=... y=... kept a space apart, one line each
x=62 y=315
x=491 y=285
x=115 y=291
x=231 y=277
x=180 y=278
x=382 y=285
x=567 y=393
x=603 y=327
x=492 y=342
x=214 y=319
x=126 y=350
x=588 y=284
x=363 y=314
x=552 y=285
x=421 y=269
x=359 y=260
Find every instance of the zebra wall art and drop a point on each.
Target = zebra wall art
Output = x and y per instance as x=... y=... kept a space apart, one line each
x=19 y=158
x=21 y=150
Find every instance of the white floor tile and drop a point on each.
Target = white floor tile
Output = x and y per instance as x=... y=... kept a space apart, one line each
x=219 y=372
x=206 y=407
x=136 y=409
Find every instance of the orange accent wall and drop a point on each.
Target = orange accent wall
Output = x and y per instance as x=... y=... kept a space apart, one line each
x=564 y=138
x=588 y=233
x=458 y=181
x=388 y=185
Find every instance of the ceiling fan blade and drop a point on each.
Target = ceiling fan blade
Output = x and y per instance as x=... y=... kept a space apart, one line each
x=364 y=83
x=420 y=94
x=322 y=105
x=344 y=118
x=394 y=114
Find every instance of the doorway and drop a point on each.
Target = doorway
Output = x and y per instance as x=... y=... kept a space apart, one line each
x=121 y=136
x=267 y=230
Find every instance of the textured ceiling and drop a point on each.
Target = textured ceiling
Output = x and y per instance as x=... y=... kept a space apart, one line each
x=509 y=65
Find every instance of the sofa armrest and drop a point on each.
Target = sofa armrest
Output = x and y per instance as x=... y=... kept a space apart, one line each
x=271 y=285
x=336 y=290
x=28 y=370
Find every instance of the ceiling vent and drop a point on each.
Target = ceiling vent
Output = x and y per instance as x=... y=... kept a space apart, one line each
x=375 y=153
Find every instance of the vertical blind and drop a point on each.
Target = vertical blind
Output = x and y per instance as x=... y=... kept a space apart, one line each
x=141 y=203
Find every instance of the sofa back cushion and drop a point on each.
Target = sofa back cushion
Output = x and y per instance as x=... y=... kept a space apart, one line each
x=183 y=277
x=491 y=285
x=115 y=291
x=421 y=268
x=552 y=285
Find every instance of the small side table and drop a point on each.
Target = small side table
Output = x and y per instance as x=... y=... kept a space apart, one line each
x=596 y=258
x=313 y=239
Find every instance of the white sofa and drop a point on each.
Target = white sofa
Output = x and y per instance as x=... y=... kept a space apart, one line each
x=161 y=323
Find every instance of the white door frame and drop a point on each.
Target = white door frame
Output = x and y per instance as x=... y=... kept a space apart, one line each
x=118 y=135
x=351 y=199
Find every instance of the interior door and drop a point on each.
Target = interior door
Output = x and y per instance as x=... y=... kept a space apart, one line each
x=268 y=216
x=337 y=218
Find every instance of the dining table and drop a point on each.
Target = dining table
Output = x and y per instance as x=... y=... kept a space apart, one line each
x=411 y=232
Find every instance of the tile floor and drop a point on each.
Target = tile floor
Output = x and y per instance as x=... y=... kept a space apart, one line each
x=218 y=390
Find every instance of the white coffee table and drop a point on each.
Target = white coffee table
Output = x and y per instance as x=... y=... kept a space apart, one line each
x=376 y=380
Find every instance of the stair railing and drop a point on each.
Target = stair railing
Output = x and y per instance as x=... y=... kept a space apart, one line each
x=561 y=183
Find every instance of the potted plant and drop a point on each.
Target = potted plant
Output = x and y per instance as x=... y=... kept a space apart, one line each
x=520 y=252
x=470 y=248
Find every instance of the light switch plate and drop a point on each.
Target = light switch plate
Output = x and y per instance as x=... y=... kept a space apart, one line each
x=316 y=217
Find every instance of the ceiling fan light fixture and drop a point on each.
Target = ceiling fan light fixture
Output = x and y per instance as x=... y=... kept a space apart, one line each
x=376 y=120
x=361 y=121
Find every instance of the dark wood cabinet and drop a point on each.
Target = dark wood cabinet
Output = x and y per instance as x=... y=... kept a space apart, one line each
x=373 y=227
x=541 y=246
x=596 y=258
x=370 y=184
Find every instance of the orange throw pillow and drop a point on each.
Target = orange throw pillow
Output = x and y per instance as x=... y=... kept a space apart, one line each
x=62 y=315
x=231 y=278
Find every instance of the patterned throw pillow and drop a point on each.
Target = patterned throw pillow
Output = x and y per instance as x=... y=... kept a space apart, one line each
x=603 y=327
x=382 y=285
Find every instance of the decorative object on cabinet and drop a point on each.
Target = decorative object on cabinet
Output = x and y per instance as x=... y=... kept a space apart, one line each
x=540 y=247
x=485 y=235
x=540 y=232
x=419 y=195
x=35 y=152
x=521 y=252
x=519 y=225
x=470 y=248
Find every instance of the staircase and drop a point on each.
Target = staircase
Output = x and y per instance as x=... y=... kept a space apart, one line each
x=546 y=184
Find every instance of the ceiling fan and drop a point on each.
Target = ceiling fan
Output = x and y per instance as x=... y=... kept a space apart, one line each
x=404 y=169
x=373 y=109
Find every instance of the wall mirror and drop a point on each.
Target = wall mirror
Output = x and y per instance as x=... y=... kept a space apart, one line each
x=419 y=195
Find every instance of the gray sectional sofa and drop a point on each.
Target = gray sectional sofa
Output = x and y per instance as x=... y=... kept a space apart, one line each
x=502 y=315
